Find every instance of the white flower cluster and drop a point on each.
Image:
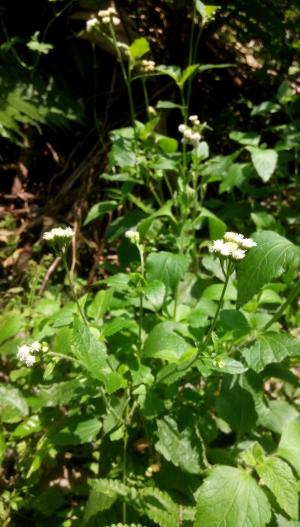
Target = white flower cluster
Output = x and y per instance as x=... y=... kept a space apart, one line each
x=58 y=233
x=104 y=16
x=109 y=15
x=232 y=245
x=26 y=353
x=191 y=134
x=147 y=66
x=133 y=236
x=92 y=23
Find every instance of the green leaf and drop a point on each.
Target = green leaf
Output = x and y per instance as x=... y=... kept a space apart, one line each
x=13 y=406
x=2 y=445
x=179 y=448
x=57 y=394
x=279 y=478
x=40 y=47
x=77 y=431
x=159 y=507
x=100 y=305
x=231 y=497
x=272 y=256
x=236 y=406
x=236 y=176
x=167 y=105
x=49 y=500
x=270 y=348
x=283 y=522
x=167 y=267
x=264 y=161
x=139 y=47
x=88 y=350
x=245 y=138
x=172 y=71
x=28 y=427
x=164 y=342
x=289 y=445
x=9 y=326
x=216 y=226
x=99 y=209
x=187 y=73
x=155 y=293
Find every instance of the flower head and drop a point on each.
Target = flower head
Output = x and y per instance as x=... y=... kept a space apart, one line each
x=232 y=245
x=133 y=236
x=59 y=237
x=25 y=355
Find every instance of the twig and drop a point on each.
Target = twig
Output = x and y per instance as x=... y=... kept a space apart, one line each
x=49 y=272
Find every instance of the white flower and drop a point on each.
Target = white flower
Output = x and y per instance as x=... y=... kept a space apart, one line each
x=133 y=236
x=91 y=23
x=194 y=119
x=35 y=346
x=238 y=254
x=106 y=19
x=103 y=13
x=233 y=237
x=45 y=348
x=233 y=244
x=217 y=246
x=182 y=128
x=111 y=11
x=58 y=233
x=24 y=355
x=147 y=65
x=248 y=243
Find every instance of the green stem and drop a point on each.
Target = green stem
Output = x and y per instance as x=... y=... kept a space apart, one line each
x=220 y=304
x=141 y=307
x=64 y=259
x=126 y=75
x=290 y=298
x=145 y=94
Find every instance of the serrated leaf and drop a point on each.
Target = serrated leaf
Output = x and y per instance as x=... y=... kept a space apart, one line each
x=264 y=161
x=231 y=497
x=167 y=267
x=178 y=447
x=88 y=350
x=268 y=260
x=270 y=348
x=289 y=445
x=279 y=478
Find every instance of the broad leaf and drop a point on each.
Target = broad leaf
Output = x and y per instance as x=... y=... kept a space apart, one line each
x=231 y=497
x=279 y=478
x=77 y=431
x=236 y=406
x=139 y=47
x=289 y=445
x=88 y=350
x=164 y=342
x=264 y=161
x=13 y=406
x=9 y=326
x=270 y=348
x=245 y=138
x=167 y=267
x=268 y=260
x=178 y=447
